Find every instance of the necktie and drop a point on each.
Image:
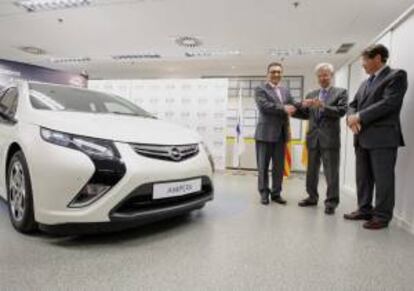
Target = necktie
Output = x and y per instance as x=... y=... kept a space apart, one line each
x=279 y=94
x=371 y=80
x=323 y=97
x=369 y=83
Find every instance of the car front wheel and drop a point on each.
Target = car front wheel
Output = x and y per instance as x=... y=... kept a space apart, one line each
x=19 y=194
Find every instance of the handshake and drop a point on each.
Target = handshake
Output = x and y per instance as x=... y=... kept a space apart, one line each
x=290 y=109
x=314 y=102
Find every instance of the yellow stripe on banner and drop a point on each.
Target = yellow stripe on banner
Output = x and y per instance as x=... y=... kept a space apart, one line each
x=305 y=154
x=288 y=159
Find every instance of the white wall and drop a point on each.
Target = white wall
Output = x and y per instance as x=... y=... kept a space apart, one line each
x=400 y=41
x=342 y=80
x=356 y=76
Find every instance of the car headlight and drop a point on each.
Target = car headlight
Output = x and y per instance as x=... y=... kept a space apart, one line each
x=97 y=148
x=109 y=168
x=210 y=156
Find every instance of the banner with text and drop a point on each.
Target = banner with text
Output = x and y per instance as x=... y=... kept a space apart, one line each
x=199 y=104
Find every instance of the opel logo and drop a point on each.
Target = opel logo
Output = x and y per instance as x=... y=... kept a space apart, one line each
x=175 y=154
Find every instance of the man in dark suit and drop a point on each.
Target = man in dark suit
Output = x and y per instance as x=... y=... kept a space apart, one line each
x=275 y=105
x=374 y=118
x=324 y=108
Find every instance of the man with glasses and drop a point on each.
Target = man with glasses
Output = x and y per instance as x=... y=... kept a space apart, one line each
x=275 y=104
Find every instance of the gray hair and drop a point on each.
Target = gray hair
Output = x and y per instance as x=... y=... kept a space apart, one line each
x=324 y=67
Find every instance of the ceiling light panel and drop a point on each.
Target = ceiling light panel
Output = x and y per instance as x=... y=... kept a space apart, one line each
x=300 y=51
x=42 y=5
x=70 y=60
x=211 y=53
x=141 y=56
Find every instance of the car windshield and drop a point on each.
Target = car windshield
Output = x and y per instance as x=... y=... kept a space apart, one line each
x=59 y=98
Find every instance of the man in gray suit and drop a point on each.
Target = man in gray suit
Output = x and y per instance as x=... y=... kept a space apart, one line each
x=324 y=108
x=275 y=105
x=374 y=118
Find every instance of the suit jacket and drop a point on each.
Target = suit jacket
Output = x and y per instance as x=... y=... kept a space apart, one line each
x=379 y=109
x=273 y=123
x=325 y=130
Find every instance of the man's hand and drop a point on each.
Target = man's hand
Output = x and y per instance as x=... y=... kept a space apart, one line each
x=354 y=123
x=356 y=128
x=353 y=120
x=317 y=103
x=307 y=103
x=290 y=109
x=314 y=102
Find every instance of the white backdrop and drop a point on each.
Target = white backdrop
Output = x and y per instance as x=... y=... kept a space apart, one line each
x=198 y=104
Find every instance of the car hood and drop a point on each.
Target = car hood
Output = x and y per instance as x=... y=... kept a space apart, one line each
x=123 y=128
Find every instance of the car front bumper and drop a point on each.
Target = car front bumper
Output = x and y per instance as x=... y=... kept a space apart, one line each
x=57 y=179
x=132 y=212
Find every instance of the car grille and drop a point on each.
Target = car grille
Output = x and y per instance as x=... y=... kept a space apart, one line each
x=176 y=153
x=141 y=199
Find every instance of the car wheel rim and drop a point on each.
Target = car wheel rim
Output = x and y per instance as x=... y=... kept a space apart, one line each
x=17 y=190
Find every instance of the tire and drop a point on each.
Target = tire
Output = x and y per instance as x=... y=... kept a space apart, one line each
x=19 y=195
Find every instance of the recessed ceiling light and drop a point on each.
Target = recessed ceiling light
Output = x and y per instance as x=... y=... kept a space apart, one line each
x=39 y=5
x=141 y=56
x=70 y=60
x=188 y=41
x=32 y=50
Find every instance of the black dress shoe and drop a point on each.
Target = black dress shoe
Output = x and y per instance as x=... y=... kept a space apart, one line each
x=357 y=215
x=307 y=202
x=278 y=199
x=375 y=224
x=329 y=210
x=264 y=198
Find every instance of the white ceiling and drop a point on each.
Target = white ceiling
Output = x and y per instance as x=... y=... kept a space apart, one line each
x=112 y=27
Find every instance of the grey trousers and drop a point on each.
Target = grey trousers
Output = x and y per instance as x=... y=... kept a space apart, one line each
x=270 y=153
x=330 y=159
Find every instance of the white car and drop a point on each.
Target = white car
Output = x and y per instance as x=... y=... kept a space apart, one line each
x=75 y=160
